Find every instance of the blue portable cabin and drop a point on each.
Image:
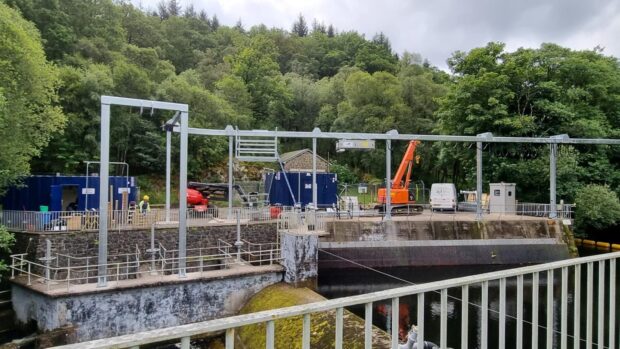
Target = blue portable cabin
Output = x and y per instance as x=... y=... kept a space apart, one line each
x=301 y=186
x=57 y=192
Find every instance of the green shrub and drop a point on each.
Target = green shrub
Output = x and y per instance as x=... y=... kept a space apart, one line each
x=597 y=208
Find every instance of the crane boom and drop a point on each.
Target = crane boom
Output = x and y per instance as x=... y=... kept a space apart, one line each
x=405 y=167
x=402 y=199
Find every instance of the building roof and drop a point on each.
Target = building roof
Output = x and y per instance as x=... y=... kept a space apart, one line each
x=286 y=157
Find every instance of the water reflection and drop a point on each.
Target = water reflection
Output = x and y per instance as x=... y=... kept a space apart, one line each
x=347 y=282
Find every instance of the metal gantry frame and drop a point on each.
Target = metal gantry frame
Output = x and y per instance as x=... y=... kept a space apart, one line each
x=393 y=135
x=179 y=124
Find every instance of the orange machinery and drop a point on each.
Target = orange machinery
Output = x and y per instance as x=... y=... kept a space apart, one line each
x=402 y=199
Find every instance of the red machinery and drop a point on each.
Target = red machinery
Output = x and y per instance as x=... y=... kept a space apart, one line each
x=196 y=200
x=402 y=199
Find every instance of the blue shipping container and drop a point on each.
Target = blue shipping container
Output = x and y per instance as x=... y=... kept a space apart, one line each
x=301 y=186
x=58 y=192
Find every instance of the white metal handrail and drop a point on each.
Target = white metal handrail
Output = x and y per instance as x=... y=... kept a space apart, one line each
x=130 y=266
x=63 y=221
x=605 y=312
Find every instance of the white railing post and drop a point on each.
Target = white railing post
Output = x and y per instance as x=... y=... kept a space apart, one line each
x=519 y=336
x=230 y=338
x=339 y=327
x=270 y=335
x=395 y=322
x=484 y=316
x=535 y=310
x=185 y=343
x=420 y=318
x=564 y=310
x=577 y=309
x=502 y=313
x=589 y=291
x=464 y=316
x=368 y=326
x=305 y=339
x=600 y=323
x=443 y=329
x=549 y=308
x=612 y=303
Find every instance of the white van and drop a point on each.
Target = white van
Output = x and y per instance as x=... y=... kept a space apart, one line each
x=443 y=197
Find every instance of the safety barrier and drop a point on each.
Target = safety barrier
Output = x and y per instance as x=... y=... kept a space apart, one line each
x=303 y=222
x=62 y=221
x=61 y=271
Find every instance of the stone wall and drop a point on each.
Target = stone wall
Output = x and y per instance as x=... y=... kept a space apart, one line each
x=108 y=313
x=82 y=244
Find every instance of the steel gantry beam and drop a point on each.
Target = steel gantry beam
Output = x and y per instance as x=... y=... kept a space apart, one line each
x=182 y=117
x=401 y=137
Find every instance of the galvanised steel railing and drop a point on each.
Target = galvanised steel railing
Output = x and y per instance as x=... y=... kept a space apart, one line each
x=61 y=271
x=303 y=222
x=559 y=327
x=62 y=221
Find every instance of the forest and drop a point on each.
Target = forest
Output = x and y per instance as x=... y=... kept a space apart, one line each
x=57 y=57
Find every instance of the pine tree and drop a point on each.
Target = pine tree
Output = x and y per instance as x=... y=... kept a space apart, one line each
x=300 y=27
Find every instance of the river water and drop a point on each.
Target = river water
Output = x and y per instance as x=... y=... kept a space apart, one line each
x=348 y=282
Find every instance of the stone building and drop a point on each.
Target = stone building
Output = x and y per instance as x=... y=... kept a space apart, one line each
x=301 y=160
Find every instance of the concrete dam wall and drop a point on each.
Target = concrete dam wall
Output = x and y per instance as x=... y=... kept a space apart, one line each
x=453 y=242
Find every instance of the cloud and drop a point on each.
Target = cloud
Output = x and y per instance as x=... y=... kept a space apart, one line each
x=436 y=29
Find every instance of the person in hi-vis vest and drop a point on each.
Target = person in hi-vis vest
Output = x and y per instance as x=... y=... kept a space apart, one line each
x=144 y=206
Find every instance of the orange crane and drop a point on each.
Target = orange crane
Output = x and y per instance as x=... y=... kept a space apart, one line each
x=402 y=200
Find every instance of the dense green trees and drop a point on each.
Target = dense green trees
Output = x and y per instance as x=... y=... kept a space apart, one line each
x=311 y=76
x=532 y=92
x=29 y=115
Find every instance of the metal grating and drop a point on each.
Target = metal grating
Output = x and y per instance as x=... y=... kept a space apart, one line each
x=256 y=149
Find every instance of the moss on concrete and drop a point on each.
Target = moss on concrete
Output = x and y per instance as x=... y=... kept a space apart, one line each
x=569 y=238
x=288 y=331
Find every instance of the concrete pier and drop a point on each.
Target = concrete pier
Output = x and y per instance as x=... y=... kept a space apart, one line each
x=131 y=306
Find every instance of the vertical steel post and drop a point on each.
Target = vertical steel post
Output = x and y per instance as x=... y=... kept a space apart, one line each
x=388 y=180
x=553 y=154
x=86 y=195
x=104 y=157
x=183 y=195
x=168 y=171
x=368 y=326
x=239 y=243
x=230 y=175
x=478 y=181
x=314 y=189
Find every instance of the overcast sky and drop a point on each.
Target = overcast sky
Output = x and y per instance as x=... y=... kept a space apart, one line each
x=436 y=28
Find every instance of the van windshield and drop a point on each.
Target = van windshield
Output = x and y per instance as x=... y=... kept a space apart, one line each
x=442 y=190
